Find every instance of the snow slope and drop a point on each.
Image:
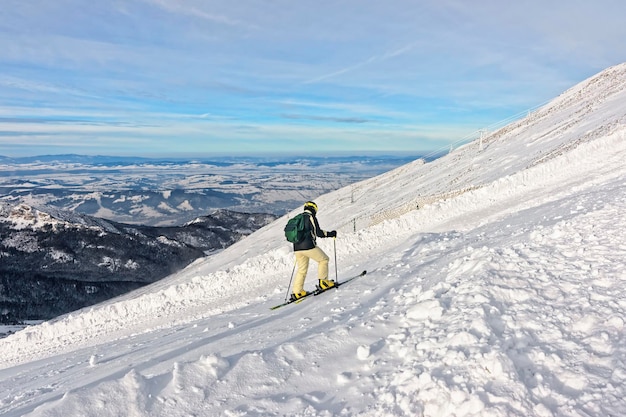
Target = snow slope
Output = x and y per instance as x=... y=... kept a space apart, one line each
x=502 y=295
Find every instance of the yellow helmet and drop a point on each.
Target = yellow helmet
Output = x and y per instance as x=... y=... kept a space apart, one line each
x=310 y=205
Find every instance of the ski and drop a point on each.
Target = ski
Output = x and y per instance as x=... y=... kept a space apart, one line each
x=293 y=301
x=318 y=291
x=348 y=280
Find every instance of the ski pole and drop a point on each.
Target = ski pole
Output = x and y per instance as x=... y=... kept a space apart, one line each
x=335 y=248
x=290 y=279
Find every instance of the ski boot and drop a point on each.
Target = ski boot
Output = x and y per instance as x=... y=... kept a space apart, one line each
x=325 y=284
x=298 y=295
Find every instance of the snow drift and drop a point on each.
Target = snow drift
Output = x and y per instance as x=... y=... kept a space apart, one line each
x=495 y=287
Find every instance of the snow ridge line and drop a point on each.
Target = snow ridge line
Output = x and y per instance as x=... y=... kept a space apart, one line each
x=613 y=128
x=589 y=157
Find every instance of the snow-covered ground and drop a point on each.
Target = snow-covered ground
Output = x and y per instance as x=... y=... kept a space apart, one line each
x=503 y=294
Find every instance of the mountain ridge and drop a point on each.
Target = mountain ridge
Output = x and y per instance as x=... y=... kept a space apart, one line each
x=55 y=261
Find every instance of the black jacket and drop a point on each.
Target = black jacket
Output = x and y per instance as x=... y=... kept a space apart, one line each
x=313 y=231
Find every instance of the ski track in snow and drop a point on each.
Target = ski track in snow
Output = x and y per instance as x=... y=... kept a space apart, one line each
x=506 y=300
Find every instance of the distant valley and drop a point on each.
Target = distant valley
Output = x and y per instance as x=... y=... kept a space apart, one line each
x=161 y=192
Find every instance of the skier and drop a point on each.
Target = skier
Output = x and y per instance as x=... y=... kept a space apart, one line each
x=307 y=249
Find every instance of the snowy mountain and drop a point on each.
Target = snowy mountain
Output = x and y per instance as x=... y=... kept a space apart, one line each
x=495 y=287
x=54 y=262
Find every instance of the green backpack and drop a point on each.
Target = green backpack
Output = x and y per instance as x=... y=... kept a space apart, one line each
x=296 y=228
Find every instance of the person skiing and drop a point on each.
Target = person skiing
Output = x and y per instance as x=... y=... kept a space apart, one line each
x=307 y=249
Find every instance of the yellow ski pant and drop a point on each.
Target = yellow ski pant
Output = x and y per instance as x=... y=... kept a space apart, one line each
x=302 y=261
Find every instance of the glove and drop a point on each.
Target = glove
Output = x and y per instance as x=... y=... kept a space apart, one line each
x=332 y=233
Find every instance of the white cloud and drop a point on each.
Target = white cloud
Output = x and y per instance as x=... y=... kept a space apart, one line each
x=198 y=10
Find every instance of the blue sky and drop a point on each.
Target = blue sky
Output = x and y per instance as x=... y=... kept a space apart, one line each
x=167 y=77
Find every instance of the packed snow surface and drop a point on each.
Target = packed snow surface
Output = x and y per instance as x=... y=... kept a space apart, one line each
x=496 y=286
